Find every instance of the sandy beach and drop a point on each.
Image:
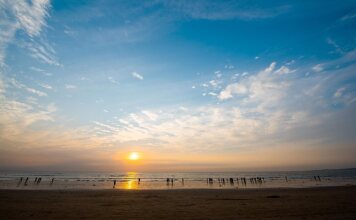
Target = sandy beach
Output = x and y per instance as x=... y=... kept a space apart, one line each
x=302 y=203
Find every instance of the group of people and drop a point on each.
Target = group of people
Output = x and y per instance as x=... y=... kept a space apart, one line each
x=317 y=178
x=37 y=181
x=232 y=181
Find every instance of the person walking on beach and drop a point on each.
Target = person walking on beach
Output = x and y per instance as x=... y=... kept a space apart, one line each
x=231 y=181
x=52 y=181
x=26 y=181
x=139 y=180
x=114 y=184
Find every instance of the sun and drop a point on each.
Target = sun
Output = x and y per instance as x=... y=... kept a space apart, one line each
x=134 y=156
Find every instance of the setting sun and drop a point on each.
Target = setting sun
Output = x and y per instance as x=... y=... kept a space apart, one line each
x=134 y=156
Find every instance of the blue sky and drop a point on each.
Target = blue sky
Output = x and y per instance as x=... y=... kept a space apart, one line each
x=193 y=85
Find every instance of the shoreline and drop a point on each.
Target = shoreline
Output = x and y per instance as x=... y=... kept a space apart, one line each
x=282 y=203
x=178 y=188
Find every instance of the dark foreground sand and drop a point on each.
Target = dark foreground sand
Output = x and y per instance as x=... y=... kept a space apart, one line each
x=311 y=203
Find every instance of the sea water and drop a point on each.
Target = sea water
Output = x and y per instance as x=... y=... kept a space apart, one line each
x=181 y=180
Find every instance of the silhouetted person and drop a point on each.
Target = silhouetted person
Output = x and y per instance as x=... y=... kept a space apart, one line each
x=26 y=181
x=139 y=180
x=319 y=178
x=114 y=184
x=231 y=181
x=39 y=180
x=167 y=181
x=52 y=181
x=35 y=180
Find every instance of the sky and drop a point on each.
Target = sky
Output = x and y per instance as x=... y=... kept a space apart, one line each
x=189 y=85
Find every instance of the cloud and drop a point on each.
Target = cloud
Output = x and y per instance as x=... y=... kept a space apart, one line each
x=213 y=83
x=17 y=116
x=264 y=111
x=137 y=75
x=338 y=49
x=46 y=86
x=150 y=115
x=19 y=85
x=227 y=10
x=183 y=108
x=284 y=70
x=43 y=51
x=70 y=86
x=29 y=16
x=254 y=84
x=339 y=92
x=318 y=68
x=230 y=90
x=149 y=19
x=7 y=32
x=348 y=17
x=37 y=92
x=40 y=71
x=112 y=80
x=266 y=107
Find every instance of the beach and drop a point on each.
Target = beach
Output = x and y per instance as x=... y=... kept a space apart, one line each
x=283 y=203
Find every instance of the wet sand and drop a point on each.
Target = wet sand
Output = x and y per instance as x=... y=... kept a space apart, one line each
x=303 y=203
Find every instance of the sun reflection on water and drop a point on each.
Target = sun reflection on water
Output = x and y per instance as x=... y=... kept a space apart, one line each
x=131 y=182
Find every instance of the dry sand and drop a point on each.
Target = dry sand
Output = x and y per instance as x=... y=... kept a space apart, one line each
x=307 y=203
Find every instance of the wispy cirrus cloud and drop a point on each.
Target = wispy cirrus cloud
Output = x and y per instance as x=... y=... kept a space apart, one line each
x=42 y=51
x=46 y=86
x=16 y=116
x=217 y=10
x=148 y=19
x=112 y=80
x=70 y=86
x=137 y=75
x=29 y=17
x=19 y=85
x=272 y=104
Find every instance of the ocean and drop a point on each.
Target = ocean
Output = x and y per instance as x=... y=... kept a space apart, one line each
x=177 y=180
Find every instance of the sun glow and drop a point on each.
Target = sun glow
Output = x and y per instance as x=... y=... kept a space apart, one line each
x=134 y=156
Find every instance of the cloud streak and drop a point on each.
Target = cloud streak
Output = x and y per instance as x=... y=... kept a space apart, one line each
x=137 y=75
x=30 y=17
